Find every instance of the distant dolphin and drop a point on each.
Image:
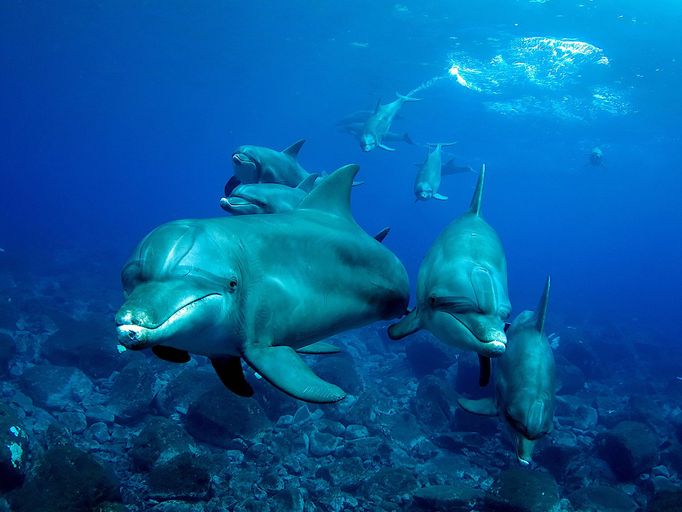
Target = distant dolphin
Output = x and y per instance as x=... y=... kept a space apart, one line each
x=450 y=167
x=379 y=124
x=261 y=287
x=253 y=198
x=428 y=179
x=257 y=164
x=462 y=293
x=356 y=130
x=524 y=382
x=596 y=156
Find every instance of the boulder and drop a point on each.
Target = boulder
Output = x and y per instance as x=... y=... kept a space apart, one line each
x=8 y=350
x=391 y=482
x=184 y=388
x=13 y=449
x=522 y=490
x=132 y=391
x=218 y=416
x=322 y=444
x=669 y=501
x=426 y=355
x=630 y=449
x=158 y=436
x=67 y=478
x=181 y=477
x=453 y=498
x=346 y=473
x=571 y=379
x=340 y=370
x=600 y=498
x=433 y=403
x=56 y=387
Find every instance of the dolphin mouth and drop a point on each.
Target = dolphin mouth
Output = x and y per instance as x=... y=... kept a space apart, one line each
x=240 y=159
x=135 y=337
x=490 y=348
x=234 y=202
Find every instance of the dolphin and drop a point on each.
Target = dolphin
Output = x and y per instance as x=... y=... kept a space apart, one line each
x=450 y=167
x=524 y=382
x=356 y=130
x=379 y=124
x=252 y=198
x=596 y=156
x=462 y=293
x=257 y=164
x=261 y=288
x=428 y=179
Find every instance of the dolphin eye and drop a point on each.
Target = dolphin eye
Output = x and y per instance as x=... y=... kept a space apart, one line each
x=233 y=284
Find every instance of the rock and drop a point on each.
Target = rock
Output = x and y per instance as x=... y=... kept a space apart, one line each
x=356 y=432
x=669 y=501
x=571 y=378
x=433 y=404
x=98 y=432
x=132 y=392
x=557 y=451
x=340 y=370
x=218 y=415
x=183 y=477
x=13 y=449
x=577 y=351
x=8 y=350
x=88 y=345
x=177 y=506
x=75 y=422
x=426 y=355
x=344 y=473
x=522 y=490
x=453 y=498
x=289 y=499
x=67 y=479
x=322 y=444
x=630 y=448
x=600 y=498
x=184 y=388
x=393 y=482
x=159 y=435
x=56 y=387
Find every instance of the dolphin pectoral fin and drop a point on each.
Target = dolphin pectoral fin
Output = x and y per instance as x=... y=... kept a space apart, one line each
x=407 y=325
x=170 y=354
x=231 y=184
x=385 y=147
x=231 y=374
x=484 y=370
x=284 y=369
x=482 y=407
x=440 y=197
x=319 y=348
x=379 y=237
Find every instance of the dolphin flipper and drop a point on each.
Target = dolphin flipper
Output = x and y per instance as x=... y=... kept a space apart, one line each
x=440 y=197
x=231 y=374
x=231 y=184
x=319 y=348
x=170 y=354
x=482 y=407
x=285 y=369
x=385 y=147
x=484 y=370
x=407 y=325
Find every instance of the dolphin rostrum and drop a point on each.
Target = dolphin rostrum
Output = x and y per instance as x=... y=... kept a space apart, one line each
x=428 y=179
x=261 y=288
x=252 y=198
x=524 y=382
x=462 y=293
x=379 y=124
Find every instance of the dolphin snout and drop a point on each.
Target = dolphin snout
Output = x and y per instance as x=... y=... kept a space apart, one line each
x=131 y=336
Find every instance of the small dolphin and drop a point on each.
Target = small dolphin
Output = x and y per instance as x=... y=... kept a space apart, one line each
x=356 y=130
x=257 y=164
x=379 y=124
x=596 y=156
x=428 y=179
x=254 y=198
x=524 y=382
x=450 y=167
x=261 y=288
x=462 y=293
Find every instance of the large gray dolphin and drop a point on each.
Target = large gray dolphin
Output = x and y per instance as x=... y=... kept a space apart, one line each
x=257 y=164
x=524 y=382
x=428 y=179
x=261 y=287
x=462 y=288
x=253 y=198
x=379 y=124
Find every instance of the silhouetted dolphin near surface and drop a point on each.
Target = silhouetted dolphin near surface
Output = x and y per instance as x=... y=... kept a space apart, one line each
x=379 y=124
x=524 y=382
x=462 y=293
x=261 y=287
x=252 y=198
x=428 y=179
x=258 y=164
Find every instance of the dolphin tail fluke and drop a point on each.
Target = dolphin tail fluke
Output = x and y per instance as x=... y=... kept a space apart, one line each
x=308 y=183
x=475 y=206
x=541 y=312
x=282 y=367
x=482 y=407
x=379 y=237
x=231 y=374
x=407 y=325
x=407 y=98
x=319 y=348
x=332 y=195
x=293 y=150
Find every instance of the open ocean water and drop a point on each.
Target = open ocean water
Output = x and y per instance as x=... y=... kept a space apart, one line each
x=121 y=116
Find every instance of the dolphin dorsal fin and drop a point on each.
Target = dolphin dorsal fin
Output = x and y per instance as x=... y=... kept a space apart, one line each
x=475 y=206
x=332 y=195
x=308 y=183
x=541 y=312
x=377 y=106
x=293 y=150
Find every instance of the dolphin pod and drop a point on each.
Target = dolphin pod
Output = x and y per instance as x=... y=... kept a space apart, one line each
x=462 y=295
x=240 y=287
x=524 y=382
